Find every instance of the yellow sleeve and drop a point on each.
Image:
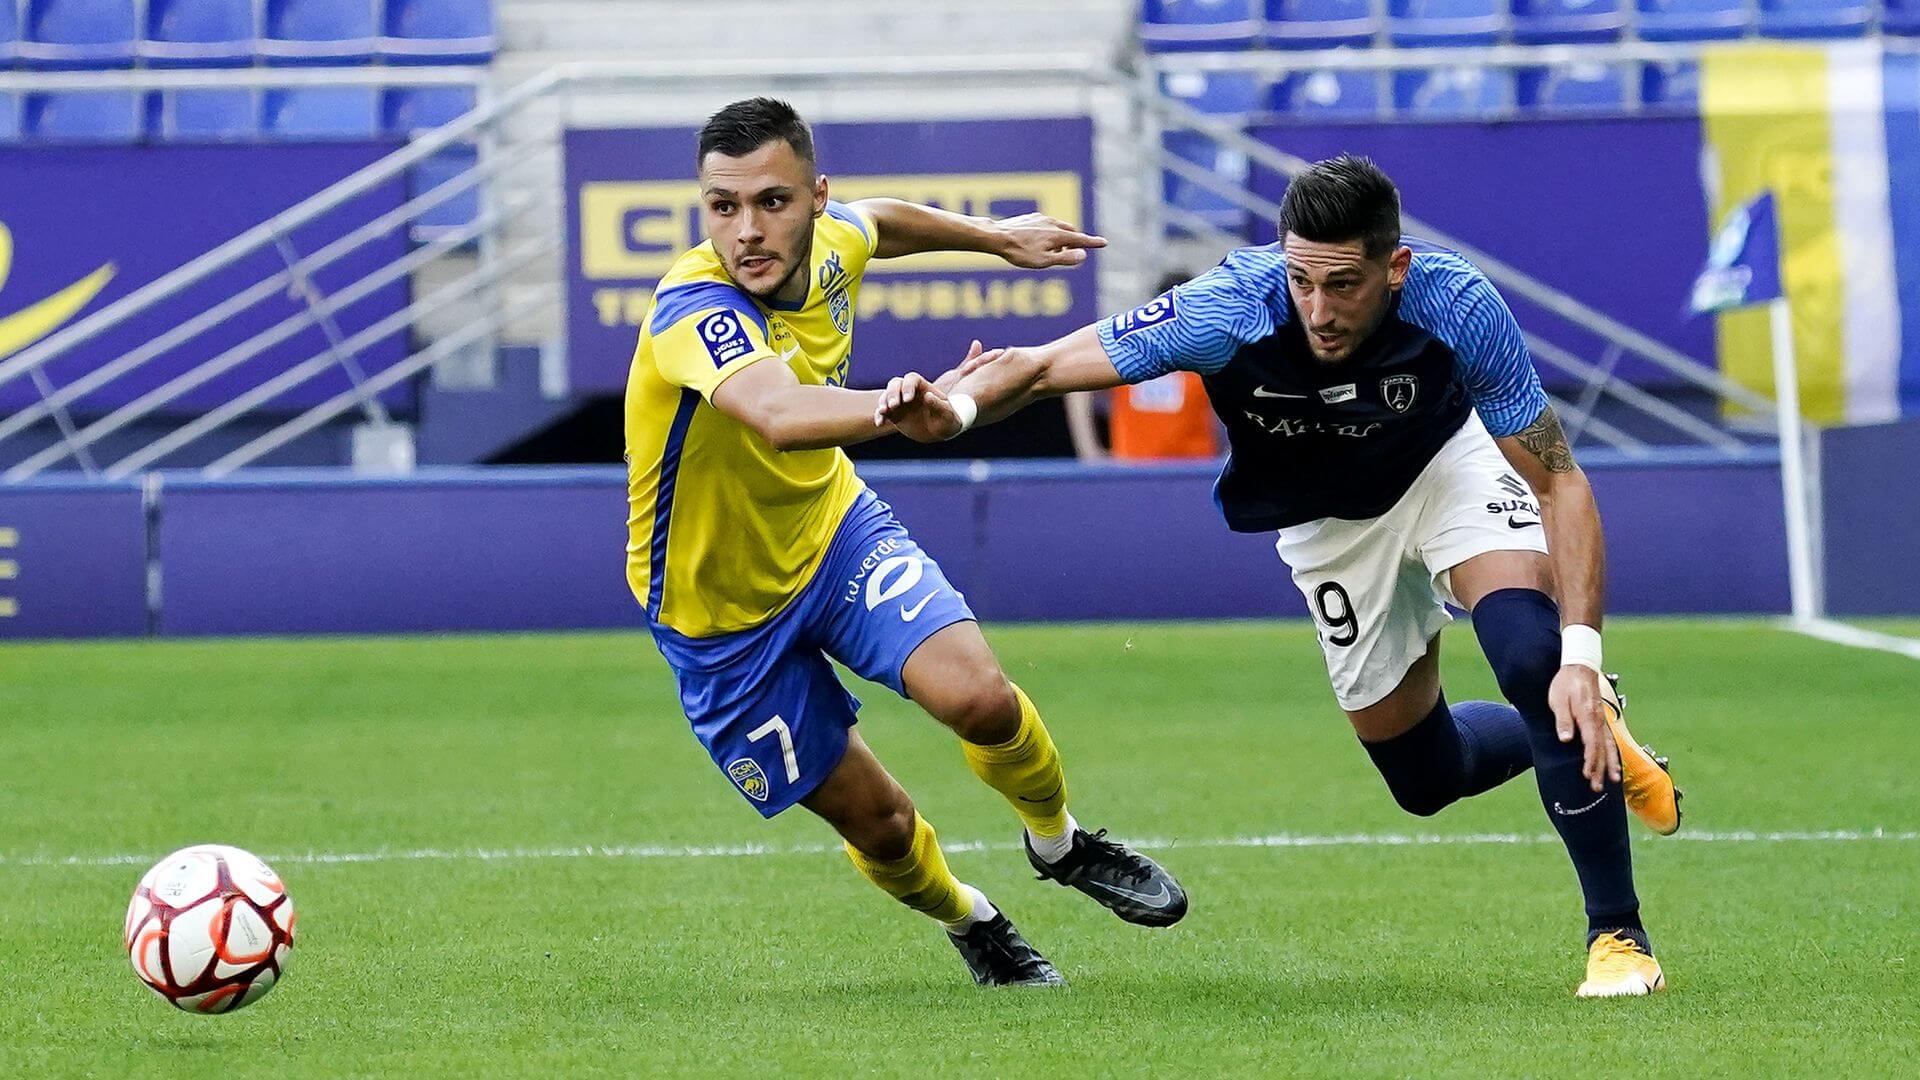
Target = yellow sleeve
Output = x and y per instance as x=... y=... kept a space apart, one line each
x=704 y=333
x=863 y=223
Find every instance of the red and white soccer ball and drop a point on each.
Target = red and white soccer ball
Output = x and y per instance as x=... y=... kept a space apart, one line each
x=209 y=928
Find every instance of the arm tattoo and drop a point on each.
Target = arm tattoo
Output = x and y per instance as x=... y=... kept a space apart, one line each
x=1544 y=440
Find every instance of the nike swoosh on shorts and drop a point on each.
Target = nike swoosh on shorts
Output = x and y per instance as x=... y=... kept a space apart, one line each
x=908 y=614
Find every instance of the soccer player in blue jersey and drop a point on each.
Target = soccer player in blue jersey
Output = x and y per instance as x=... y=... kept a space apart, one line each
x=1385 y=420
x=760 y=556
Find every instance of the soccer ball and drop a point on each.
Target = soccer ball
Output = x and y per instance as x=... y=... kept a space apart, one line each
x=209 y=928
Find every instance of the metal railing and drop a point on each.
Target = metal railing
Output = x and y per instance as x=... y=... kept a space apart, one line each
x=524 y=234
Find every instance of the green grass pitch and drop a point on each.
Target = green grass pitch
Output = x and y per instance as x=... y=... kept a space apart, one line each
x=1352 y=957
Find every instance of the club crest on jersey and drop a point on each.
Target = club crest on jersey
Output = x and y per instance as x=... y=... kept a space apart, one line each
x=833 y=281
x=724 y=337
x=1152 y=313
x=1398 y=391
x=746 y=775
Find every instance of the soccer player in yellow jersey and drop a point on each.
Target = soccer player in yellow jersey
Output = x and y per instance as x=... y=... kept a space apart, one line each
x=759 y=554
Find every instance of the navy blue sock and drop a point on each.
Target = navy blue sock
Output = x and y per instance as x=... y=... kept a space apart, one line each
x=1519 y=630
x=1451 y=754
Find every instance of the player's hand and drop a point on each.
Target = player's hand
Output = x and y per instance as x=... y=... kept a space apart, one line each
x=917 y=409
x=975 y=360
x=1575 y=699
x=1036 y=242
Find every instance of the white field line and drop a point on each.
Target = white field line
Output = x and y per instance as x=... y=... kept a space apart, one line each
x=1841 y=634
x=745 y=851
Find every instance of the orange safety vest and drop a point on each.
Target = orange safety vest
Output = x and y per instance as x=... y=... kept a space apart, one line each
x=1166 y=417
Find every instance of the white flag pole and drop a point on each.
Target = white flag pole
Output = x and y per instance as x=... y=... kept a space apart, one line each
x=1793 y=464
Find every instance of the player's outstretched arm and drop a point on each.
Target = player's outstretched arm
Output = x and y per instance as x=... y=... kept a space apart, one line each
x=1033 y=241
x=1001 y=383
x=792 y=415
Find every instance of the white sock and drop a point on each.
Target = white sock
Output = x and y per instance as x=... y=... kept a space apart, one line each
x=983 y=911
x=1054 y=848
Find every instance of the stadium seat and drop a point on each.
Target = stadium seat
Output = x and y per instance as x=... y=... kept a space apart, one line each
x=1329 y=95
x=1537 y=22
x=456 y=210
x=9 y=32
x=1457 y=92
x=1446 y=22
x=1320 y=24
x=1167 y=25
x=1901 y=17
x=204 y=115
x=78 y=33
x=9 y=118
x=1815 y=18
x=1573 y=88
x=1671 y=87
x=1694 y=20
x=410 y=109
x=200 y=33
x=438 y=32
x=322 y=112
x=320 y=32
x=103 y=116
x=1234 y=95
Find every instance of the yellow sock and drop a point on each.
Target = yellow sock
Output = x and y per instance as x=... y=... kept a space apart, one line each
x=921 y=880
x=1026 y=769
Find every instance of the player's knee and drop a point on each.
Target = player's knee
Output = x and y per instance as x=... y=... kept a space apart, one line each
x=1420 y=800
x=1519 y=631
x=984 y=710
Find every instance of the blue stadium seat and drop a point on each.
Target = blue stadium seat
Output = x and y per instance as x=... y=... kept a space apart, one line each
x=1227 y=94
x=456 y=210
x=322 y=112
x=320 y=32
x=1330 y=95
x=438 y=32
x=1815 y=18
x=1546 y=21
x=1901 y=17
x=9 y=118
x=1446 y=22
x=423 y=108
x=82 y=116
x=78 y=33
x=1671 y=87
x=1455 y=92
x=1320 y=24
x=1694 y=20
x=1573 y=88
x=9 y=34
x=200 y=33
x=204 y=115
x=1167 y=25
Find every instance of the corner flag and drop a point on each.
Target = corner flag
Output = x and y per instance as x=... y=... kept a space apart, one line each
x=1743 y=266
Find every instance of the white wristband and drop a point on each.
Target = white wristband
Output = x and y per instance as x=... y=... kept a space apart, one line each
x=967 y=409
x=1580 y=644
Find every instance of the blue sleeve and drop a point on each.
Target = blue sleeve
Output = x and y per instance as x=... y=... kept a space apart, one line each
x=1494 y=361
x=1197 y=326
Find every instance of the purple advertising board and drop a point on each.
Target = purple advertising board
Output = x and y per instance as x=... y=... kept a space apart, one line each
x=1609 y=211
x=82 y=226
x=633 y=207
x=73 y=560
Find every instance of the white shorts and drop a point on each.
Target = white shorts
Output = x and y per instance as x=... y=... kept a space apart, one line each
x=1378 y=589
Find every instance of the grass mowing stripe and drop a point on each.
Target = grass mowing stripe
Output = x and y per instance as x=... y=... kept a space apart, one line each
x=740 y=851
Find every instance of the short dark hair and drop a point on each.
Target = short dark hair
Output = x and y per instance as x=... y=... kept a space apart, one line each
x=1341 y=199
x=745 y=126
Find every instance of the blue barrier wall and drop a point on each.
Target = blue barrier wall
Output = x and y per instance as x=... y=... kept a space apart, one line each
x=1871 y=476
x=313 y=551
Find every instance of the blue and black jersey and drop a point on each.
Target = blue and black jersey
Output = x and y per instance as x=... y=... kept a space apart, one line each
x=1310 y=440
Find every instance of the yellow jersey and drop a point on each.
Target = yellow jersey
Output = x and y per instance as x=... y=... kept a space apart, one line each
x=723 y=531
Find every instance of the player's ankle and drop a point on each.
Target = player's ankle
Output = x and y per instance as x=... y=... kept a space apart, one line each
x=981 y=910
x=1054 y=848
